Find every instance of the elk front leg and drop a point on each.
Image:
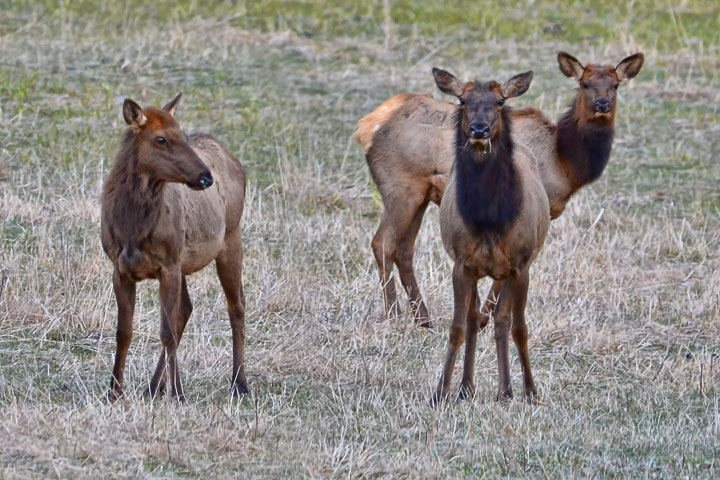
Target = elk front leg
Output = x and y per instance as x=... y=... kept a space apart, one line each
x=502 y=325
x=477 y=320
x=157 y=384
x=463 y=286
x=124 y=290
x=170 y=294
x=520 y=332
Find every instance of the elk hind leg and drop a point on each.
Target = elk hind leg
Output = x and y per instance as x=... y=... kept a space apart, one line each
x=503 y=313
x=229 y=269
x=396 y=219
x=404 y=257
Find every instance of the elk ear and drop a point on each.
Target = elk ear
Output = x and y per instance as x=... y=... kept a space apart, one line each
x=172 y=104
x=629 y=66
x=133 y=114
x=570 y=65
x=447 y=82
x=517 y=85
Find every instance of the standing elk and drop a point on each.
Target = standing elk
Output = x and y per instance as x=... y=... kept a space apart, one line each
x=408 y=144
x=494 y=218
x=155 y=227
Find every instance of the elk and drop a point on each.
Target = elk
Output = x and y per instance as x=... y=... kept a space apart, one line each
x=408 y=145
x=575 y=152
x=494 y=218
x=172 y=204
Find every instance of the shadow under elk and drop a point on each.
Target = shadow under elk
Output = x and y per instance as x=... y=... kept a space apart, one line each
x=408 y=143
x=171 y=205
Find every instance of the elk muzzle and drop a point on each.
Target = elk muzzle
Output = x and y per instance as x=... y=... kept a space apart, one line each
x=479 y=131
x=205 y=180
x=602 y=105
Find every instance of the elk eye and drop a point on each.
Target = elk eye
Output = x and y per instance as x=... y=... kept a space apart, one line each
x=462 y=102
x=585 y=85
x=501 y=102
x=616 y=86
x=161 y=141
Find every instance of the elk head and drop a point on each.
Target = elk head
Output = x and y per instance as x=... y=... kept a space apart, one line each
x=599 y=83
x=163 y=151
x=482 y=103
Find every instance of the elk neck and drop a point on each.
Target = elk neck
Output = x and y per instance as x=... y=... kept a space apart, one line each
x=584 y=144
x=489 y=193
x=132 y=200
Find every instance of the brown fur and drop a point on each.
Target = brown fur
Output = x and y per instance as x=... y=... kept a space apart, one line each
x=408 y=150
x=410 y=171
x=505 y=254
x=155 y=227
x=368 y=125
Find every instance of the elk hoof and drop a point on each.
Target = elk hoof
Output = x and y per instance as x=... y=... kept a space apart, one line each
x=467 y=392
x=427 y=324
x=505 y=397
x=532 y=398
x=114 y=394
x=178 y=393
x=239 y=389
x=423 y=322
x=393 y=312
x=420 y=314
x=436 y=399
x=155 y=390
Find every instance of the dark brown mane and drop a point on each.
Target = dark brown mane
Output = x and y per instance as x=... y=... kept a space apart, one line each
x=584 y=145
x=132 y=208
x=488 y=191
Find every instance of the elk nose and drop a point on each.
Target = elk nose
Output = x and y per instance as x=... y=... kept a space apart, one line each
x=602 y=105
x=479 y=130
x=206 y=180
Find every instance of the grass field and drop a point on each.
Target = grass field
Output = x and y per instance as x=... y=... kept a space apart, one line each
x=623 y=308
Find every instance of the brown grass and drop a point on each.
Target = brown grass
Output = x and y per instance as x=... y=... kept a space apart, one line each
x=623 y=307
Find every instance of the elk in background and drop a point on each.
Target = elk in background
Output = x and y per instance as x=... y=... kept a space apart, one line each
x=408 y=145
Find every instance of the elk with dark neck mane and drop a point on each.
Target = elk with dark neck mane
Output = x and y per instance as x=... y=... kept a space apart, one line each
x=575 y=152
x=493 y=220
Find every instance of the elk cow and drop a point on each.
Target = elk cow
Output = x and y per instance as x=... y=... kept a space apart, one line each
x=494 y=218
x=576 y=151
x=155 y=227
x=408 y=145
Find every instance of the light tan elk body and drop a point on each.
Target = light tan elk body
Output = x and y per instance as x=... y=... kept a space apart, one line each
x=408 y=144
x=171 y=205
x=494 y=218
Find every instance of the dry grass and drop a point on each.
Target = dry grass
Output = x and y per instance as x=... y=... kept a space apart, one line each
x=623 y=307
